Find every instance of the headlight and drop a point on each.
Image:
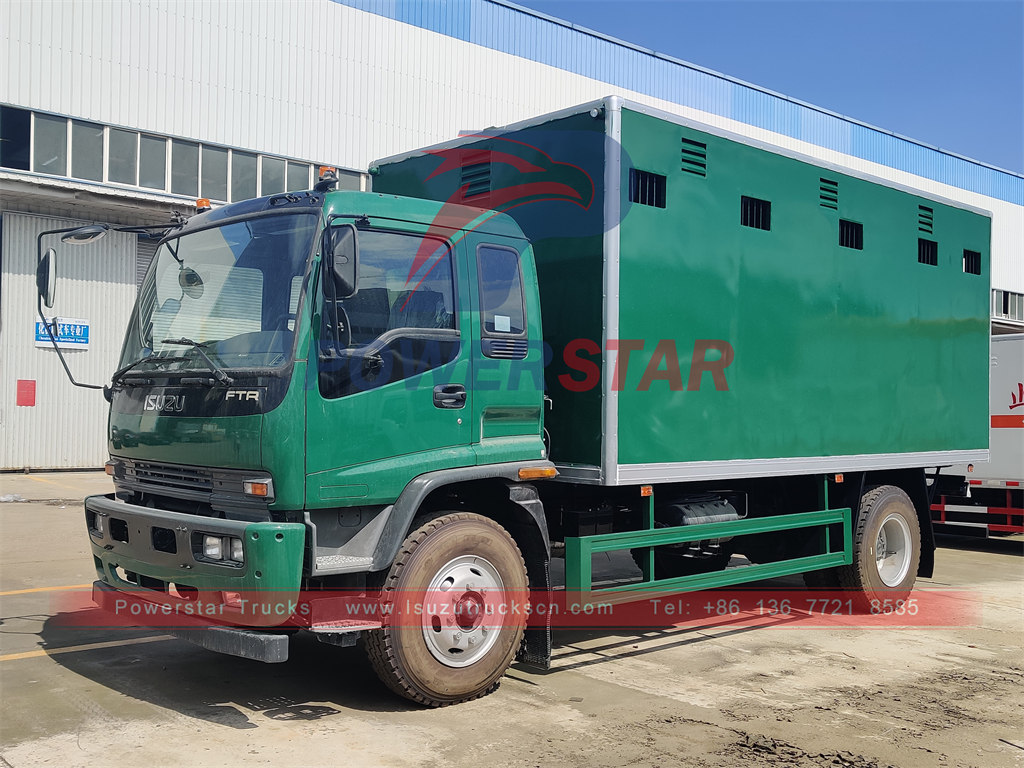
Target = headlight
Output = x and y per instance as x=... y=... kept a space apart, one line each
x=213 y=547
x=223 y=548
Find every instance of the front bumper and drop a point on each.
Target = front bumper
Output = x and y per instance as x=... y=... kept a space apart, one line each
x=250 y=594
x=234 y=641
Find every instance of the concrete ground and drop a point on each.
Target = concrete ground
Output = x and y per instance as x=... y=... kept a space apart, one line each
x=721 y=695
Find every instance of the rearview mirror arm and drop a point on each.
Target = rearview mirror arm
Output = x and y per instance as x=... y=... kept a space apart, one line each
x=60 y=355
x=46 y=325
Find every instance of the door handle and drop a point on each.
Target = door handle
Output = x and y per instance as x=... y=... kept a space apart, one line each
x=449 y=396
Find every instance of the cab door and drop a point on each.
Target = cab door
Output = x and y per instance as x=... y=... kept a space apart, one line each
x=508 y=353
x=387 y=398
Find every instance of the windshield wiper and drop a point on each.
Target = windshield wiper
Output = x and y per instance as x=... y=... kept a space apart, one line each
x=218 y=373
x=148 y=359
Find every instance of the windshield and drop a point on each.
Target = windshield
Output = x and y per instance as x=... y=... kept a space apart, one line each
x=233 y=289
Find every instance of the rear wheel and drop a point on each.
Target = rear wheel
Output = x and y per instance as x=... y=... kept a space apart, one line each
x=886 y=549
x=450 y=628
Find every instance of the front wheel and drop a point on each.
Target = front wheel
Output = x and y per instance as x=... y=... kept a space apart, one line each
x=451 y=606
x=886 y=548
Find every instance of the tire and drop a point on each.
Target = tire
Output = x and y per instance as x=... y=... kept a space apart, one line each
x=887 y=518
x=451 y=654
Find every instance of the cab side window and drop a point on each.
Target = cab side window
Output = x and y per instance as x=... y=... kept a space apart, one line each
x=502 y=309
x=400 y=322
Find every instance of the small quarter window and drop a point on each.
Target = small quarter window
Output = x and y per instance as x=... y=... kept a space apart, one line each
x=972 y=262
x=646 y=188
x=502 y=312
x=928 y=252
x=755 y=213
x=851 y=234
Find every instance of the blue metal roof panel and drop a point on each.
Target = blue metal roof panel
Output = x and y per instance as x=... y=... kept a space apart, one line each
x=522 y=32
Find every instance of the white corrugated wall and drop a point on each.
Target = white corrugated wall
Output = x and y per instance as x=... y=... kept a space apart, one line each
x=96 y=282
x=317 y=79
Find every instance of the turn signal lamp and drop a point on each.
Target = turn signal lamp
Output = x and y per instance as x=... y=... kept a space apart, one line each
x=109 y=468
x=259 y=488
x=537 y=473
x=646 y=490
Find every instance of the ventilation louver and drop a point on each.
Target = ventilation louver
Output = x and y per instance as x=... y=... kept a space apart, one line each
x=475 y=176
x=828 y=194
x=695 y=157
x=925 y=219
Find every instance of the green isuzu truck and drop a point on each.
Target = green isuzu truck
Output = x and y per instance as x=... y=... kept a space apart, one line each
x=605 y=329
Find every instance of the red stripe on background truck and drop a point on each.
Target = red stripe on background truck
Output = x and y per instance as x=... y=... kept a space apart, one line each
x=987 y=498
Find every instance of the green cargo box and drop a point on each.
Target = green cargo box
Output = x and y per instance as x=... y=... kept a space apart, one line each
x=718 y=308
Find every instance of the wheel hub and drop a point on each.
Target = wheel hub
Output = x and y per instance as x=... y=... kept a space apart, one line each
x=893 y=550
x=460 y=616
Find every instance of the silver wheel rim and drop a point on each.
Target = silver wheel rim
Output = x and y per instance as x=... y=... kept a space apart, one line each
x=460 y=618
x=892 y=550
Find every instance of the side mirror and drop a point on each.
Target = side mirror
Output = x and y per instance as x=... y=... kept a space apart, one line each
x=341 y=258
x=191 y=283
x=46 y=276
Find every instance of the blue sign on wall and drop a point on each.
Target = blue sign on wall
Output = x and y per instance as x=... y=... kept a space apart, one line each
x=70 y=333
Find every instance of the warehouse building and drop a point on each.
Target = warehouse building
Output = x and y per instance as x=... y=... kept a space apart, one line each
x=127 y=111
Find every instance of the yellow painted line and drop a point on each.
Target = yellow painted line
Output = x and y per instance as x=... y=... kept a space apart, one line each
x=87 y=647
x=44 y=589
x=68 y=486
x=42 y=480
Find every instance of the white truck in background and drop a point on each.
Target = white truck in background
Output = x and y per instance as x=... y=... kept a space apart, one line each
x=987 y=498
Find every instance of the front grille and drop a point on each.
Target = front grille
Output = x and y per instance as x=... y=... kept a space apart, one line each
x=170 y=476
x=193 y=490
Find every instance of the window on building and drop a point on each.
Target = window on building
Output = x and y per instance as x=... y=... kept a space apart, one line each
x=152 y=162
x=272 y=176
x=298 y=176
x=123 y=156
x=184 y=168
x=243 y=176
x=62 y=146
x=851 y=234
x=86 y=150
x=755 y=213
x=347 y=179
x=51 y=145
x=215 y=173
x=15 y=133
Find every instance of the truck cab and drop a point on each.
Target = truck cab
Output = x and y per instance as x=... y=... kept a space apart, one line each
x=292 y=365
